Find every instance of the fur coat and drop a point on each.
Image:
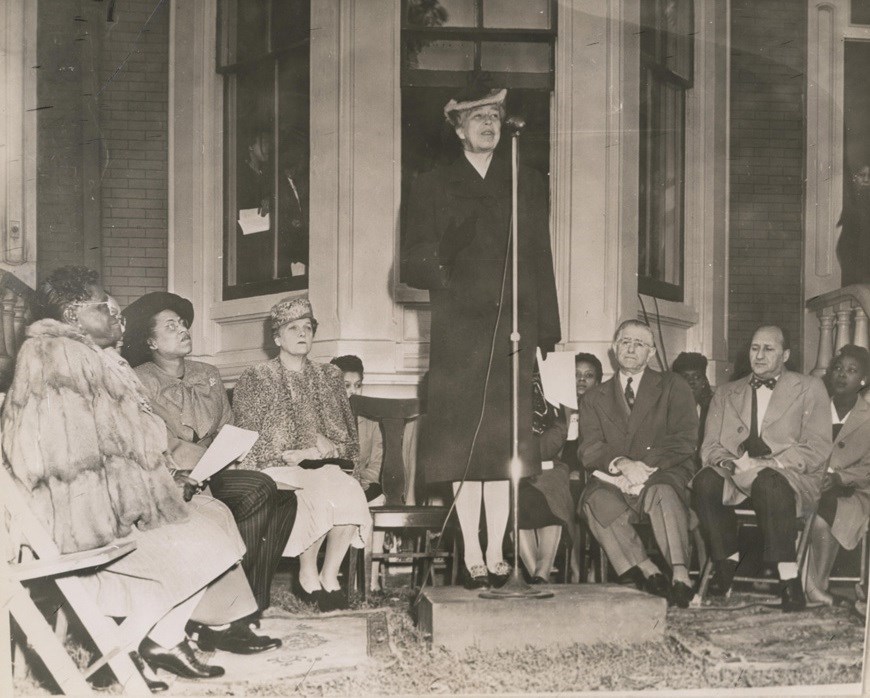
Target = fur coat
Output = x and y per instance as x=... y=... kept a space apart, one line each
x=81 y=438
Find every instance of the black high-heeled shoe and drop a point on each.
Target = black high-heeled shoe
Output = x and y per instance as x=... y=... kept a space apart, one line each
x=179 y=660
x=315 y=598
x=334 y=600
x=155 y=685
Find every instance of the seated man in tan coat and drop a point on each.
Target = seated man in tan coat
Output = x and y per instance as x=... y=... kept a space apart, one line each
x=767 y=438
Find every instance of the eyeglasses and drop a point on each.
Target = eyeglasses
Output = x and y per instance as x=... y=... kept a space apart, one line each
x=632 y=344
x=111 y=309
x=175 y=325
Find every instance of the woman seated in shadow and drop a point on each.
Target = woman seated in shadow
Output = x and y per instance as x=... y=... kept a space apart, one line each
x=844 y=508
x=367 y=469
x=307 y=437
x=92 y=458
x=191 y=399
x=545 y=504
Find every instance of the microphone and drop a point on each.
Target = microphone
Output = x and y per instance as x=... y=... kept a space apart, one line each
x=515 y=124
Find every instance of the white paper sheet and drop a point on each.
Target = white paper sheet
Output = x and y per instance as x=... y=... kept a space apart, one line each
x=557 y=378
x=252 y=222
x=231 y=443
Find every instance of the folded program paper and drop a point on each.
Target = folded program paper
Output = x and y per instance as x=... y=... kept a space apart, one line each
x=231 y=443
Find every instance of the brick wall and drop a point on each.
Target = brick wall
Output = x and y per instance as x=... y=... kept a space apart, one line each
x=768 y=110
x=134 y=124
x=59 y=135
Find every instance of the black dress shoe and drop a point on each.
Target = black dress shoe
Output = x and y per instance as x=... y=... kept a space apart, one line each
x=179 y=660
x=476 y=578
x=501 y=574
x=314 y=598
x=154 y=685
x=793 y=598
x=238 y=639
x=723 y=577
x=540 y=580
x=333 y=600
x=632 y=576
x=657 y=585
x=680 y=596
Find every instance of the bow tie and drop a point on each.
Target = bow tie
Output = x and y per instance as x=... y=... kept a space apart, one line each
x=755 y=382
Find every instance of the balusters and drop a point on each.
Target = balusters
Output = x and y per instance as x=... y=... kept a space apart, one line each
x=862 y=332
x=8 y=304
x=844 y=327
x=826 y=341
x=19 y=321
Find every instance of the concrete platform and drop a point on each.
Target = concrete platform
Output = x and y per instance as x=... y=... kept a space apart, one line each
x=577 y=613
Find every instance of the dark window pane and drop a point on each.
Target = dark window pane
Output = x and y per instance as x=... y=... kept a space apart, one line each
x=860 y=12
x=291 y=21
x=243 y=32
x=439 y=55
x=678 y=24
x=662 y=184
x=510 y=14
x=515 y=57
x=249 y=126
x=293 y=163
x=441 y=13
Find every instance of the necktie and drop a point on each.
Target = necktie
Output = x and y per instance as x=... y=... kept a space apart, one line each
x=629 y=393
x=754 y=445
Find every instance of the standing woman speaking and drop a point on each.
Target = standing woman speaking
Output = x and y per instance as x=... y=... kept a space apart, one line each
x=457 y=245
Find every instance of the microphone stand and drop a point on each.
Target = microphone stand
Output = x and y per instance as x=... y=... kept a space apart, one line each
x=515 y=587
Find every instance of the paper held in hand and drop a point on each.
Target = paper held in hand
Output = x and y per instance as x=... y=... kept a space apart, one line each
x=557 y=378
x=231 y=443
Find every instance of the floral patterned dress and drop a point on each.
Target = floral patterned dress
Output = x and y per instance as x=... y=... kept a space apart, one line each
x=288 y=409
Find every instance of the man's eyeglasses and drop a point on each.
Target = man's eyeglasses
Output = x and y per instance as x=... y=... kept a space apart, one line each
x=632 y=344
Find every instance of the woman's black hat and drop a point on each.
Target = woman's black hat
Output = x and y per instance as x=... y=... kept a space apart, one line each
x=138 y=317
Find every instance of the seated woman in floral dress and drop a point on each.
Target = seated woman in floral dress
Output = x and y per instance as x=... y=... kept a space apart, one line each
x=307 y=435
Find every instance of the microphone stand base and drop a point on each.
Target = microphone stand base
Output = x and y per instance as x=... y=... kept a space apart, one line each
x=516 y=588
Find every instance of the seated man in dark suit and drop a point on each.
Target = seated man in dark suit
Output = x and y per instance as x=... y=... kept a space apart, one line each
x=767 y=437
x=641 y=428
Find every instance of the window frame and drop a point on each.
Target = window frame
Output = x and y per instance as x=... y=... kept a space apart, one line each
x=656 y=73
x=272 y=56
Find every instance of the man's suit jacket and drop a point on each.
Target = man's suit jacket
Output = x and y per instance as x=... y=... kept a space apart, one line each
x=850 y=457
x=796 y=427
x=661 y=430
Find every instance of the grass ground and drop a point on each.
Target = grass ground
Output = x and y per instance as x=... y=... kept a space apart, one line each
x=745 y=645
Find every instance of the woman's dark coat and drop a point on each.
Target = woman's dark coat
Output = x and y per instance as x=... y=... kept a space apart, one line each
x=457 y=246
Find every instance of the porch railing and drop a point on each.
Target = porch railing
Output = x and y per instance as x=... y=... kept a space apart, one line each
x=843 y=320
x=16 y=304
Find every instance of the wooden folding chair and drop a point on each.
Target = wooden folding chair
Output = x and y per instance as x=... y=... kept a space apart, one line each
x=399 y=420
x=22 y=531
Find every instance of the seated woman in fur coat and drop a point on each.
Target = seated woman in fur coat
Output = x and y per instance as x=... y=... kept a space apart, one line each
x=91 y=458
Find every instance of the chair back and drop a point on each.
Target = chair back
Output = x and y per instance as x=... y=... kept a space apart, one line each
x=17 y=300
x=398 y=419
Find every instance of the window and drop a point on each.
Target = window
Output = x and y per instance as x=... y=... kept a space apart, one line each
x=445 y=43
x=860 y=13
x=666 y=68
x=263 y=53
